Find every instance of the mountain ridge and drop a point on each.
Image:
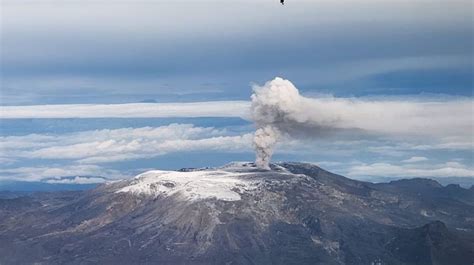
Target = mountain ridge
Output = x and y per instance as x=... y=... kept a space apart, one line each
x=295 y=213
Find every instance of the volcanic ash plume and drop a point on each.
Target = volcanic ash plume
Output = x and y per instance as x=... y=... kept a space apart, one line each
x=278 y=110
x=264 y=140
x=272 y=105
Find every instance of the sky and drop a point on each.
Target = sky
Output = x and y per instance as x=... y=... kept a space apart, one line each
x=168 y=83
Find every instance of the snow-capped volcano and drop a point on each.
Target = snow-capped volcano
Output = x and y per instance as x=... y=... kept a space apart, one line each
x=294 y=213
x=224 y=183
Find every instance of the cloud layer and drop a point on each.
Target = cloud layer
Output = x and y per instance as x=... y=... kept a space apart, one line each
x=405 y=137
x=98 y=152
x=84 y=153
x=449 y=169
x=103 y=146
x=132 y=110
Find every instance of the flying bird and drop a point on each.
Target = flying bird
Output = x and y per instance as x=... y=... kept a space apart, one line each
x=282 y=2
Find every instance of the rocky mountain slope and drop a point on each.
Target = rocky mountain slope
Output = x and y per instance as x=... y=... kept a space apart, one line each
x=293 y=214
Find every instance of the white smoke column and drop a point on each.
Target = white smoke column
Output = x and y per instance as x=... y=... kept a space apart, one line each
x=264 y=140
x=270 y=105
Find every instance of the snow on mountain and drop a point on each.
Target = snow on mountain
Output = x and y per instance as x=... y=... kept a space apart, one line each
x=225 y=183
x=192 y=185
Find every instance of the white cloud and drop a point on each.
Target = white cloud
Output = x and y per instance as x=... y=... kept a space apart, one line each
x=147 y=149
x=78 y=154
x=415 y=159
x=329 y=163
x=76 y=180
x=449 y=169
x=130 y=110
x=404 y=146
x=42 y=172
x=100 y=146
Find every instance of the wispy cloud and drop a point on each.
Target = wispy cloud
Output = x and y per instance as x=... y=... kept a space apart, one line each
x=131 y=110
x=52 y=171
x=83 y=153
x=415 y=159
x=448 y=169
x=102 y=146
x=76 y=180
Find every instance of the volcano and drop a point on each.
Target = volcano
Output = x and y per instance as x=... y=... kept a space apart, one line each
x=294 y=213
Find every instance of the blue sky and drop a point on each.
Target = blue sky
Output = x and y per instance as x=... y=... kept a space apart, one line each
x=111 y=52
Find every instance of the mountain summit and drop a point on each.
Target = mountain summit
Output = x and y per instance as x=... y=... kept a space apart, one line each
x=294 y=213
